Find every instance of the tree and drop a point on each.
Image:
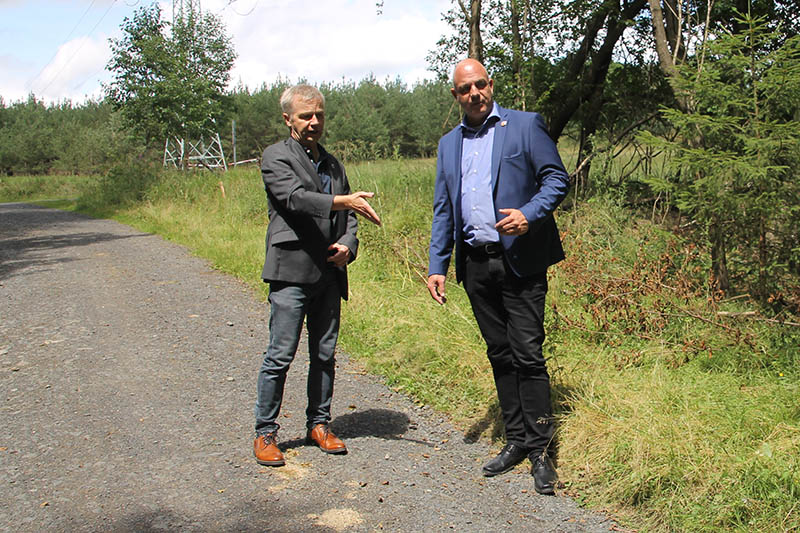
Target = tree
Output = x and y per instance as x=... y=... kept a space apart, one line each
x=258 y=118
x=677 y=28
x=737 y=152
x=170 y=84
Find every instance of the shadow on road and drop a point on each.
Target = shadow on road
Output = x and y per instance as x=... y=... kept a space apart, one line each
x=381 y=423
x=19 y=254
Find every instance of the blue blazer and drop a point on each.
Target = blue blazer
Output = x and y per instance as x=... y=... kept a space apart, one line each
x=527 y=174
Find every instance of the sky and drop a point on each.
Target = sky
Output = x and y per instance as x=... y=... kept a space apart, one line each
x=57 y=50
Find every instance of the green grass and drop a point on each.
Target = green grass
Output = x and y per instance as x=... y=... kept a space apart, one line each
x=671 y=416
x=43 y=189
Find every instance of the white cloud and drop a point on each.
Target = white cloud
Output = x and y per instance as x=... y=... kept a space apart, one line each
x=329 y=41
x=13 y=83
x=75 y=70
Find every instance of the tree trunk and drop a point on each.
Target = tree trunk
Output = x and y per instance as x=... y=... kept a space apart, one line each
x=673 y=21
x=472 y=17
x=516 y=52
x=665 y=60
x=719 y=259
x=591 y=83
x=763 y=260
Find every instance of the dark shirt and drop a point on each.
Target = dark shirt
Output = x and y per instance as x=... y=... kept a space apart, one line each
x=322 y=166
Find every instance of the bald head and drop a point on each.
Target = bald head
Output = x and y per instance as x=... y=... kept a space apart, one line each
x=468 y=66
x=474 y=91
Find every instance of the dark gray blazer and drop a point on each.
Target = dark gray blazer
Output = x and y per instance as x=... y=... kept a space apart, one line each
x=301 y=223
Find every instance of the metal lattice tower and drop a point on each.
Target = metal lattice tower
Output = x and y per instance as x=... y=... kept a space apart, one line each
x=207 y=151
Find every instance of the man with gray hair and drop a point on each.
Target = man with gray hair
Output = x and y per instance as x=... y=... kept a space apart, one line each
x=311 y=237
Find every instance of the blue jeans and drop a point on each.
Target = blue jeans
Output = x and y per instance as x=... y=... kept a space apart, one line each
x=319 y=304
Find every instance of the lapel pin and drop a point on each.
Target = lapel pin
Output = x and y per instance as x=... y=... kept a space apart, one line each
x=503 y=123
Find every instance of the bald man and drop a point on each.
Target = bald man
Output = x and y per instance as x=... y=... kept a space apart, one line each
x=499 y=178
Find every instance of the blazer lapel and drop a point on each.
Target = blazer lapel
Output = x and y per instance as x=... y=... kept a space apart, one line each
x=456 y=162
x=299 y=153
x=500 y=129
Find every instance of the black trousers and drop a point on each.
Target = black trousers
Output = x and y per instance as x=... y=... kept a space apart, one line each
x=510 y=314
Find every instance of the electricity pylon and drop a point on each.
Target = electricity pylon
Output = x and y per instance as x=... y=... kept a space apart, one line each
x=207 y=151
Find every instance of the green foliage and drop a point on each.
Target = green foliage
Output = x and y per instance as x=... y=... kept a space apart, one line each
x=38 y=139
x=355 y=117
x=43 y=189
x=736 y=155
x=363 y=121
x=170 y=85
x=27 y=132
x=258 y=119
x=122 y=186
x=368 y=120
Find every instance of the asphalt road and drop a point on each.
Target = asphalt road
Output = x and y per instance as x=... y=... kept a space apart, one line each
x=128 y=373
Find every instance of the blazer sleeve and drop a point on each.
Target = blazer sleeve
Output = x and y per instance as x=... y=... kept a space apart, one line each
x=442 y=235
x=281 y=172
x=552 y=177
x=348 y=238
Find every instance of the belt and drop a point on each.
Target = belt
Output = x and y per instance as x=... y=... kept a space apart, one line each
x=490 y=249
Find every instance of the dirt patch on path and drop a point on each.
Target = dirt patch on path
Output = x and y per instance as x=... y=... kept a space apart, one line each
x=128 y=374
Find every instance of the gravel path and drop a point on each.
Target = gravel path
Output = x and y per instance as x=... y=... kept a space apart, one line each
x=128 y=373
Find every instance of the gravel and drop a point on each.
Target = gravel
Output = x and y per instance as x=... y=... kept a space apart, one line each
x=128 y=372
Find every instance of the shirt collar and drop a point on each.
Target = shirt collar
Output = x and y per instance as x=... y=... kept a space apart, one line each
x=491 y=118
x=323 y=154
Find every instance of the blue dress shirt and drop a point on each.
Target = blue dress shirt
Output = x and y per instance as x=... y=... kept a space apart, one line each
x=477 y=204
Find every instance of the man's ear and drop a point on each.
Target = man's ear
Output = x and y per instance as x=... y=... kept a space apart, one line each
x=453 y=92
x=286 y=119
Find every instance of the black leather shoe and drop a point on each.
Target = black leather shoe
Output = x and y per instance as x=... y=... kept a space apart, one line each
x=510 y=456
x=544 y=474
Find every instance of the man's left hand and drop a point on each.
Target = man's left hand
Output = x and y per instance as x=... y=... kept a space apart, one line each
x=514 y=223
x=340 y=254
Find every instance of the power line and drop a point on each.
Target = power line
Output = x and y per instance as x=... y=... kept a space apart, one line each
x=230 y=5
x=65 y=40
x=79 y=47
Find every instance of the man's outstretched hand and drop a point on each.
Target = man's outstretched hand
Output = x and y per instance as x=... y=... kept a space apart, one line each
x=358 y=203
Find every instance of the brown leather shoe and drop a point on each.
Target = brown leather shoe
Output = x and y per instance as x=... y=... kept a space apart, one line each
x=327 y=441
x=266 y=451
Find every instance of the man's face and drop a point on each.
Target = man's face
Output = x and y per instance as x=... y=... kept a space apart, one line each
x=474 y=90
x=306 y=121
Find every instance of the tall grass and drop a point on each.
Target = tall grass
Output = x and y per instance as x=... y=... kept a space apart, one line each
x=42 y=189
x=676 y=412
